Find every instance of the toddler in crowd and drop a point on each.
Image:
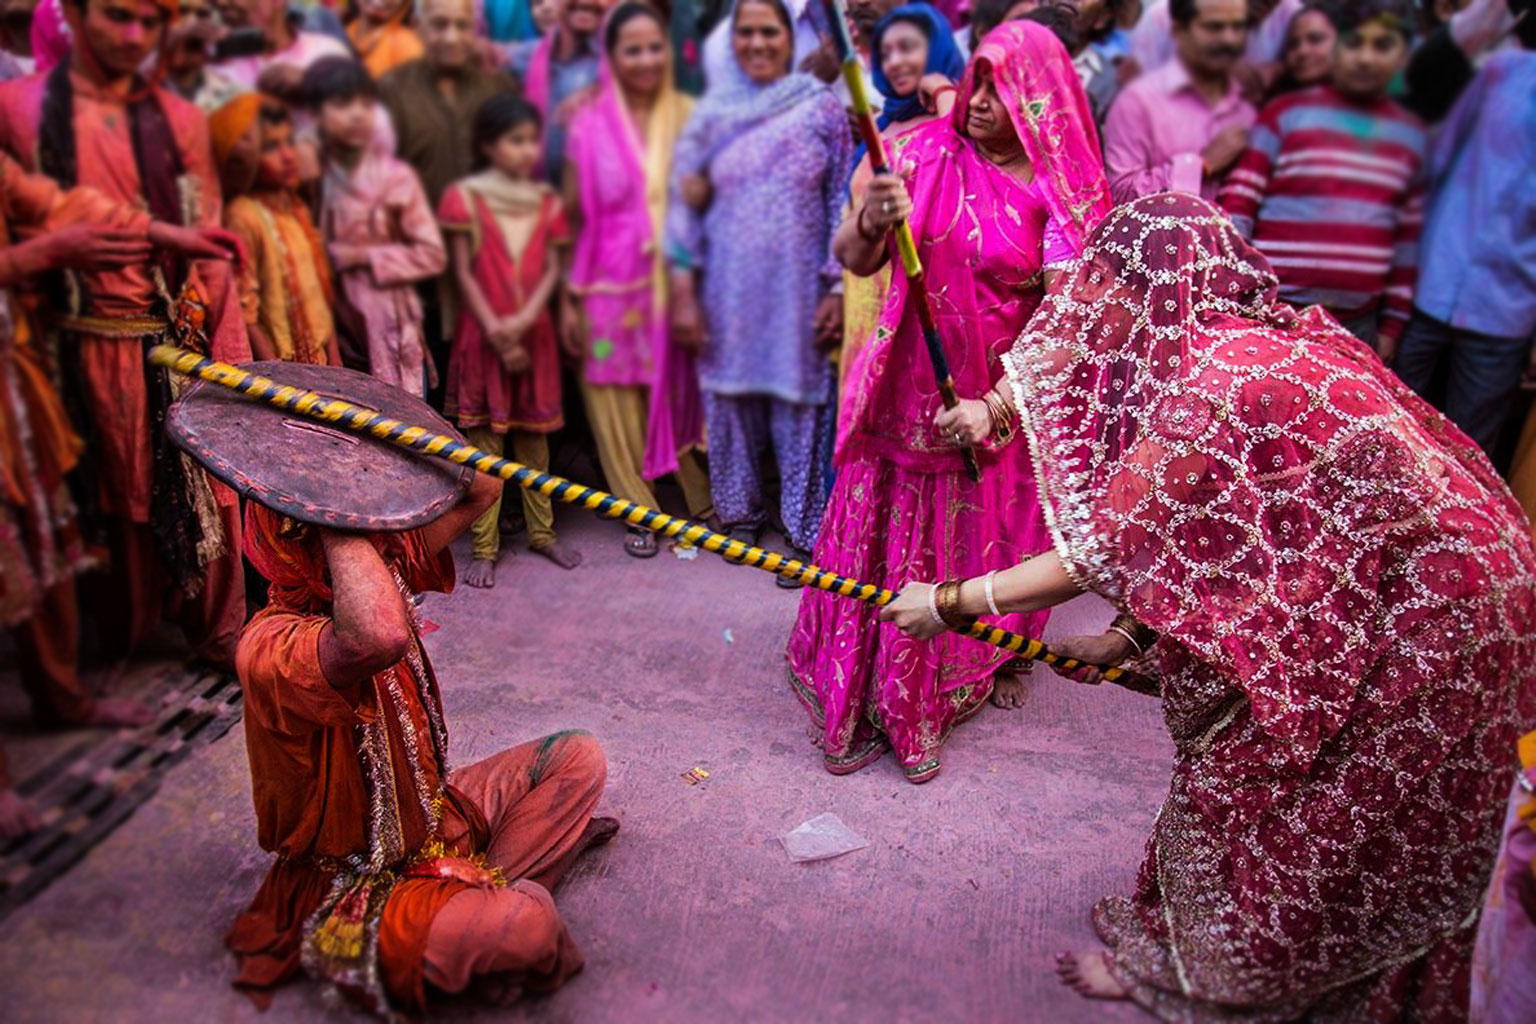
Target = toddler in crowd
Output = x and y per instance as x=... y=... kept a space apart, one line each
x=285 y=281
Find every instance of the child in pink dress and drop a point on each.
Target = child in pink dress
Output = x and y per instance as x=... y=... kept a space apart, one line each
x=377 y=224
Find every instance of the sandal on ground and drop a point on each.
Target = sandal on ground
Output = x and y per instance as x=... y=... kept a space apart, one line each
x=747 y=535
x=640 y=543
x=791 y=582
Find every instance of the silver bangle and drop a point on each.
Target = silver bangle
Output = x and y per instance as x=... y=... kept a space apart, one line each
x=933 y=606
x=991 y=600
x=1129 y=639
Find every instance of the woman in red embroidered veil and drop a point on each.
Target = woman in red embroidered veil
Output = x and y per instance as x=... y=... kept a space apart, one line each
x=1337 y=596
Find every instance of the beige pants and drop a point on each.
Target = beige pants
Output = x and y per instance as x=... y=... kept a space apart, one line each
x=531 y=450
x=618 y=417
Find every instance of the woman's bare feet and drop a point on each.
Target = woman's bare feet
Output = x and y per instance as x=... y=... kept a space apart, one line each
x=1088 y=975
x=17 y=818
x=119 y=712
x=817 y=735
x=564 y=557
x=1008 y=691
x=480 y=573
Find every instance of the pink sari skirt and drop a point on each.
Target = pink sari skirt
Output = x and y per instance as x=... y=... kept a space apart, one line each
x=867 y=686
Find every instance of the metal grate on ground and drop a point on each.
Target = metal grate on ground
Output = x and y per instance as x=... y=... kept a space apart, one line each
x=90 y=789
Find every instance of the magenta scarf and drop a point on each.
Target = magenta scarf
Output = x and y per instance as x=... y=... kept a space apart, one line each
x=622 y=182
x=967 y=220
x=1036 y=81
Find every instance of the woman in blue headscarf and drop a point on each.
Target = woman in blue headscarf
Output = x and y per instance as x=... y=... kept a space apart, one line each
x=915 y=65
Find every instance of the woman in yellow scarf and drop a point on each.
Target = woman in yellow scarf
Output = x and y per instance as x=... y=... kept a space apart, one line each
x=641 y=391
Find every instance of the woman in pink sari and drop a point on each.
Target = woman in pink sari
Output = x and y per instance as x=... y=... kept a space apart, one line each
x=641 y=392
x=1337 y=596
x=1002 y=194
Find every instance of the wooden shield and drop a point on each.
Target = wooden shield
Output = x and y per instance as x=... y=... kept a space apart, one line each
x=314 y=472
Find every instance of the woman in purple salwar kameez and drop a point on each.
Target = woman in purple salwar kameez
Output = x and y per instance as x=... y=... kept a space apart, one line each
x=1001 y=194
x=758 y=179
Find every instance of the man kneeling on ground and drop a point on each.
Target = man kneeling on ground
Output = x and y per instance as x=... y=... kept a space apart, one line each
x=393 y=873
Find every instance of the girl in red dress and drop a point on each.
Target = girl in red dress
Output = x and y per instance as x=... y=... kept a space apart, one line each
x=506 y=230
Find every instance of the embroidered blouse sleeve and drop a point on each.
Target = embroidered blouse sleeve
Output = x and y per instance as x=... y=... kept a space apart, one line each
x=1057 y=249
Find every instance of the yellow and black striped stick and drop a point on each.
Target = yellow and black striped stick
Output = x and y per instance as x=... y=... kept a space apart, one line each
x=369 y=421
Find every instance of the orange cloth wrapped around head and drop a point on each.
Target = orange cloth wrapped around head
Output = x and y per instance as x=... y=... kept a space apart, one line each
x=228 y=124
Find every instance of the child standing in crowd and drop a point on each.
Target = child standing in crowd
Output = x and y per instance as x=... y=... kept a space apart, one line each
x=1331 y=187
x=376 y=222
x=285 y=282
x=504 y=374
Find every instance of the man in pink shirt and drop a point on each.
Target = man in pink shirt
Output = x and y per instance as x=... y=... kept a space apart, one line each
x=1152 y=39
x=1184 y=124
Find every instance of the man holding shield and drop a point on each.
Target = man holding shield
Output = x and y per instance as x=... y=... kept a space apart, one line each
x=393 y=873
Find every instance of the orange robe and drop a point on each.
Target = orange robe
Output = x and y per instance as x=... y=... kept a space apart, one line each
x=40 y=545
x=37 y=445
x=390 y=872
x=109 y=337
x=114 y=368
x=388 y=46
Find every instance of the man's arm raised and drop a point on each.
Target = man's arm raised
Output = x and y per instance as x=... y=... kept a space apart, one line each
x=370 y=627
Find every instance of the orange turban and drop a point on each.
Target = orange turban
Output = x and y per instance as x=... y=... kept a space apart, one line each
x=230 y=122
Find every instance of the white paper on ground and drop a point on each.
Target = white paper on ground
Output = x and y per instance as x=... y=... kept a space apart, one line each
x=822 y=837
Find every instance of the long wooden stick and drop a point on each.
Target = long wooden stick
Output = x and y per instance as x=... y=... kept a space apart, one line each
x=362 y=420
x=906 y=245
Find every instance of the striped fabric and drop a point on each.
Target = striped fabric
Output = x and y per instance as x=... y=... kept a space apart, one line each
x=1332 y=192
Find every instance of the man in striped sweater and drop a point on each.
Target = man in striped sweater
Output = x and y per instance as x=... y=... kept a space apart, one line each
x=1331 y=188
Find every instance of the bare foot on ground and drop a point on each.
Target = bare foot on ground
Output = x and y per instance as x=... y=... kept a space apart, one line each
x=17 y=818
x=119 y=712
x=480 y=573
x=817 y=735
x=106 y=678
x=563 y=556
x=1008 y=691
x=1088 y=975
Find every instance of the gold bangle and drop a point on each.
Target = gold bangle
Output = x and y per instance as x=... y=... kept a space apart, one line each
x=948 y=603
x=1141 y=637
x=1002 y=416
